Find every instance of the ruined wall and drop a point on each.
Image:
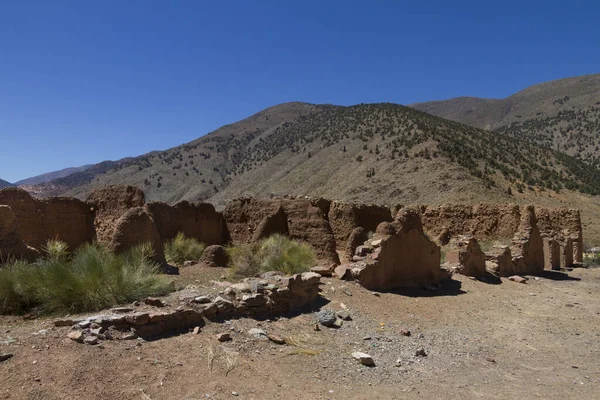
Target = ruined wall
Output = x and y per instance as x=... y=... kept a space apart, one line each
x=345 y=217
x=304 y=221
x=108 y=205
x=12 y=244
x=405 y=258
x=199 y=221
x=133 y=228
x=527 y=246
x=484 y=221
x=560 y=223
x=66 y=219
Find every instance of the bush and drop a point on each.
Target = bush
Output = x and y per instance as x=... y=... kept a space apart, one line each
x=182 y=249
x=91 y=279
x=275 y=253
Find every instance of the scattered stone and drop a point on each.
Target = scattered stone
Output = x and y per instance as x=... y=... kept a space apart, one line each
x=235 y=394
x=129 y=336
x=76 y=336
x=121 y=310
x=154 y=302
x=363 y=358
x=327 y=317
x=202 y=300
x=189 y=263
x=91 y=340
x=96 y=331
x=5 y=356
x=343 y=272
x=196 y=330
x=421 y=353
x=223 y=337
x=517 y=278
x=64 y=322
x=346 y=291
x=376 y=243
x=345 y=315
x=84 y=324
x=338 y=323
x=421 y=335
x=257 y=333
x=323 y=271
x=376 y=294
x=490 y=359
x=367 y=338
x=404 y=332
x=276 y=339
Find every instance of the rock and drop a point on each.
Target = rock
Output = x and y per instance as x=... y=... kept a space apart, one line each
x=84 y=324
x=223 y=337
x=257 y=333
x=338 y=323
x=421 y=353
x=346 y=291
x=376 y=243
x=343 y=272
x=362 y=251
x=154 y=302
x=64 y=322
x=215 y=256
x=91 y=340
x=96 y=331
x=324 y=271
x=363 y=358
x=202 y=300
x=196 y=330
x=517 y=278
x=223 y=305
x=5 y=356
x=138 y=319
x=276 y=339
x=210 y=310
x=404 y=332
x=189 y=263
x=121 y=310
x=254 y=300
x=326 y=317
x=345 y=315
x=129 y=336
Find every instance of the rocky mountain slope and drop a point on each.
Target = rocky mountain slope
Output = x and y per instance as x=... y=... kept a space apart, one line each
x=384 y=153
x=50 y=176
x=562 y=115
x=4 y=184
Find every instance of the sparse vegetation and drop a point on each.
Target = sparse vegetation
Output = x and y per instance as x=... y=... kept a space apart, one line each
x=91 y=278
x=181 y=249
x=275 y=253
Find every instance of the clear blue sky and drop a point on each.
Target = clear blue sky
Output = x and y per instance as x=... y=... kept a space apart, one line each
x=84 y=81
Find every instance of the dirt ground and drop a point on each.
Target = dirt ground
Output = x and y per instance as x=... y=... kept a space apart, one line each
x=539 y=340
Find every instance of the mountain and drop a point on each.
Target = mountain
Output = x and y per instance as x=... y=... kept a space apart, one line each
x=4 y=184
x=563 y=115
x=49 y=176
x=370 y=152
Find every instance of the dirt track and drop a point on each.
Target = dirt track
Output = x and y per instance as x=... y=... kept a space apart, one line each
x=540 y=340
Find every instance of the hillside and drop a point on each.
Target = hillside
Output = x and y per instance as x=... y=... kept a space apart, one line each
x=372 y=152
x=4 y=184
x=562 y=114
x=50 y=176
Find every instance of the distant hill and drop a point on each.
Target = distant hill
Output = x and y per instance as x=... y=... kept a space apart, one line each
x=370 y=152
x=563 y=115
x=49 y=176
x=4 y=184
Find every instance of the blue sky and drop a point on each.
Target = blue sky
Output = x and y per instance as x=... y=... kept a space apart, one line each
x=83 y=81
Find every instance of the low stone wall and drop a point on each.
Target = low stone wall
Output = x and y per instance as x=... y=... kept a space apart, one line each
x=270 y=295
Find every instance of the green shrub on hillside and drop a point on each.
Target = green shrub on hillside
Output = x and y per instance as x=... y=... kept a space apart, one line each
x=182 y=249
x=90 y=279
x=275 y=253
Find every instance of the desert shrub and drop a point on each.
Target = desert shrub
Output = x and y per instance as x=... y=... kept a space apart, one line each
x=181 y=249
x=275 y=253
x=90 y=279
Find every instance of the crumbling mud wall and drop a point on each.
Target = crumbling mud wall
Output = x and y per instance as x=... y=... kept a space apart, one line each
x=465 y=256
x=251 y=219
x=108 y=205
x=560 y=224
x=54 y=218
x=405 y=255
x=345 y=217
x=527 y=246
x=12 y=245
x=199 y=221
x=483 y=221
x=136 y=227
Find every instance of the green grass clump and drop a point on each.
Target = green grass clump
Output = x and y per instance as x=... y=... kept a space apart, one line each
x=91 y=278
x=182 y=249
x=275 y=253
